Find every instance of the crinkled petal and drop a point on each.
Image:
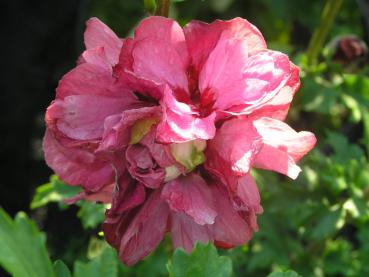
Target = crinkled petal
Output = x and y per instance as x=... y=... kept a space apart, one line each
x=237 y=144
x=156 y=60
x=283 y=146
x=104 y=195
x=145 y=231
x=81 y=117
x=117 y=128
x=181 y=123
x=229 y=227
x=92 y=79
x=202 y=38
x=142 y=166
x=190 y=194
x=96 y=56
x=238 y=80
x=77 y=166
x=185 y=231
x=127 y=195
x=276 y=107
x=97 y=34
x=159 y=52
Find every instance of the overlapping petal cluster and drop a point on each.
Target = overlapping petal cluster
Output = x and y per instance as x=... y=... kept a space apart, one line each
x=166 y=126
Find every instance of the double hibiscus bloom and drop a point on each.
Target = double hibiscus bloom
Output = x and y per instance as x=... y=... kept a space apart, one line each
x=166 y=126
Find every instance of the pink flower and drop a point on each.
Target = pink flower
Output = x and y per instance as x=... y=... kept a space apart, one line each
x=167 y=126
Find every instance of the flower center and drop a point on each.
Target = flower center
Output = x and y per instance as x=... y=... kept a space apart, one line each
x=202 y=102
x=190 y=154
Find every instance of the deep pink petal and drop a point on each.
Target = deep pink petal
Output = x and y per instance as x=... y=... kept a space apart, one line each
x=276 y=107
x=185 y=232
x=97 y=34
x=248 y=195
x=229 y=227
x=104 y=195
x=127 y=195
x=190 y=194
x=139 y=84
x=202 y=37
x=238 y=80
x=181 y=123
x=160 y=152
x=142 y=166
x=145 y=231
x=158 y=52
x=156 y=60
x=96 y=56
x=237 y=144
x=74 y=118
x=91 y=79
x=117 y=128
x=77 y=166
x=283 y=146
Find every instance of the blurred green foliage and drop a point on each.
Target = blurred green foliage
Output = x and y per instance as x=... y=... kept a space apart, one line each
x=317 y=225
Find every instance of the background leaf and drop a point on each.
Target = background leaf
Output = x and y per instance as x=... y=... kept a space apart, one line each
x=22 y=251
x=204 y=261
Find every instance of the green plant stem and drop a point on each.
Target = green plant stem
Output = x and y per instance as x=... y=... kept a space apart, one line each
x=329 y=13
x=162 y=7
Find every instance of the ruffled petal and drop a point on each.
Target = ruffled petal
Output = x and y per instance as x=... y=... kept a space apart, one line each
x=191 y=195
x=73 y=116
x=181 y=123
x=159 y=52
x=77 y=166
x=92 y=79
x=185 y=231
x=142 y=166
x=235 y=147
x=97 y=34
x=245 y=82
x=145 y=231
x=283 y=146
x=202 y=38
x=229 y=227
x=117 y=128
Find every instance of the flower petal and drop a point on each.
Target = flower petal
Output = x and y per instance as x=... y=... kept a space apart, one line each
x=117 y=128
x=180 y=123
x=283 y=146
x=202 y=38
x=77 y=166
x=191 y=195
x=229 y=228
x=160 y=53
x=145 y=231
x=185 y=231
x=236 y=144
x=97 y=34
x=238 y=80
x=74 y=118
x=141 y=166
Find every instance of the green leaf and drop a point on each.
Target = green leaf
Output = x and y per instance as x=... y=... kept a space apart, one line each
x=203 y=261
x=105 y=265
x=91 y=214
x=61 y=270
x=343 y=150
x=288 y=273
x=54 y=191
x=23 y=251
x=329 y=223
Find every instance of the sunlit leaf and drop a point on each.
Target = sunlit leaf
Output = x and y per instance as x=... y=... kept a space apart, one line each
x=22 y=251
x=204 y=261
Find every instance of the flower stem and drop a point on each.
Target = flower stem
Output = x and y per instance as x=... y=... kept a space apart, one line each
x=162 y=7
x=329 y=13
